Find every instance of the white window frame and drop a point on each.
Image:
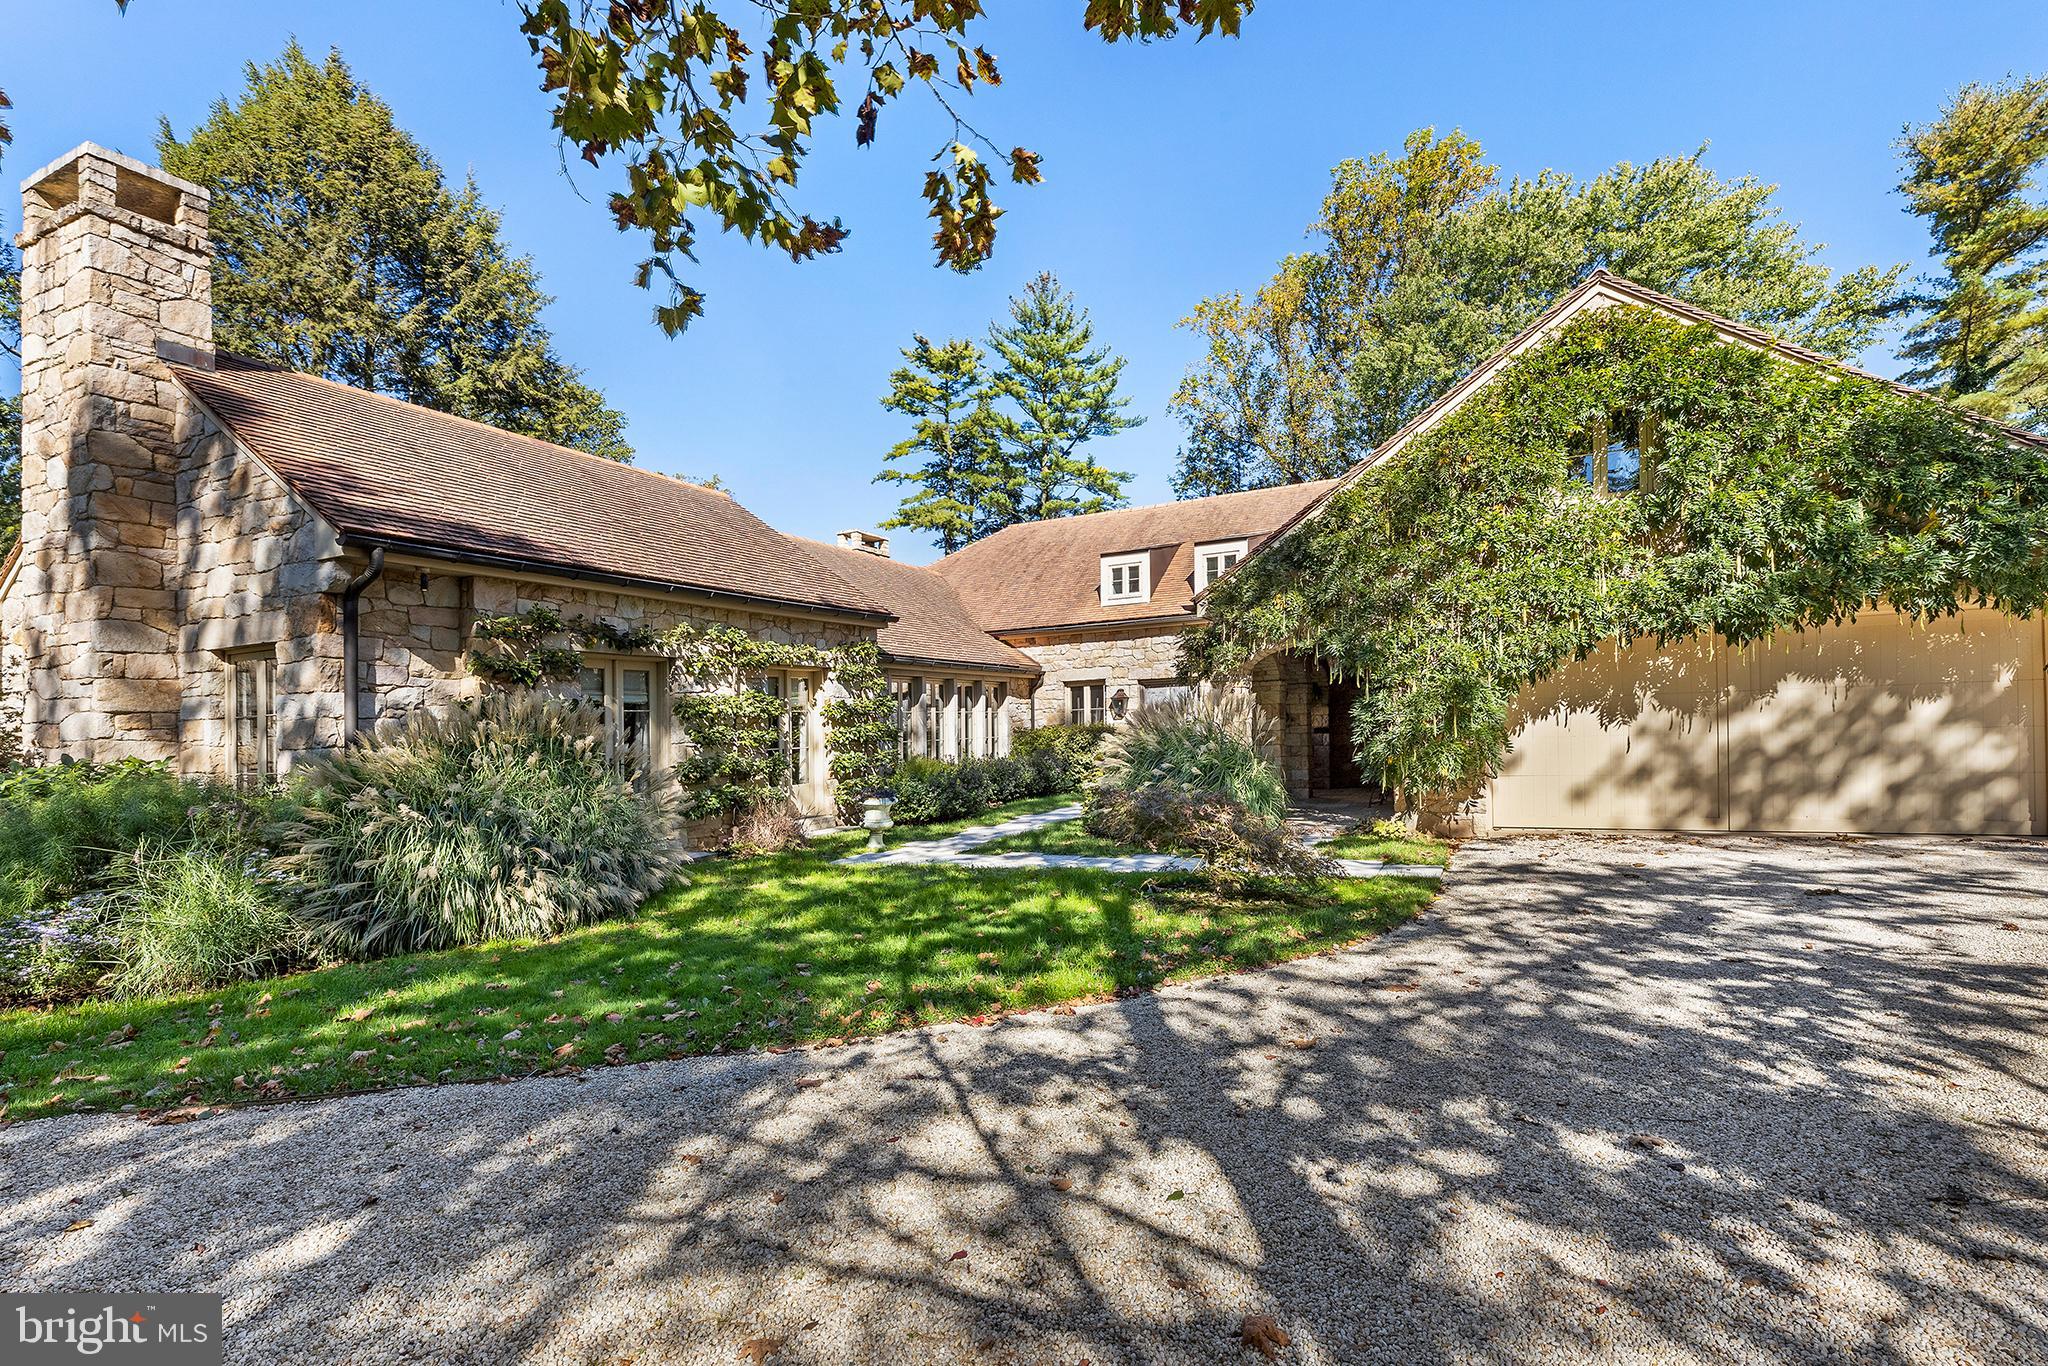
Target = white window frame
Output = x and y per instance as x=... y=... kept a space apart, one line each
x=802 y=692
x=1207 y=550
x=1141 y=563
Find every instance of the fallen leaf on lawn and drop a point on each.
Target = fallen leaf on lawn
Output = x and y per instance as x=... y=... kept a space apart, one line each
x=361 y=1055
x=613 y=1017
x=263 y=1000
x=508 y=1036
x=1260 y=1333
x=181 y=1064
x=565 y=1050
x=758 y=1350
x=76 y=1224
x=1062 y=1183
x=126 y=1031
x=356 y=1015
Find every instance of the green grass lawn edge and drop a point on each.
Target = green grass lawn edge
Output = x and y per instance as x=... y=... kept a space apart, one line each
x=775 y=951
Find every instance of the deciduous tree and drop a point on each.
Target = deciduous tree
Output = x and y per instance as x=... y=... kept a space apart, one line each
x=1426 y=265
x=1982 y=329
x=340 y=250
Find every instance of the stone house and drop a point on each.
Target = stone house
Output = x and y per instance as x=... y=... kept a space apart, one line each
x=233 y=567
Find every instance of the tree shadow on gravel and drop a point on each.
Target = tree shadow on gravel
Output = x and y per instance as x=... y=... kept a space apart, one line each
x=1671 y=1100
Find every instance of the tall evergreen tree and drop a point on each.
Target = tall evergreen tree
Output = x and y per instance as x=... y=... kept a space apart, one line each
x=960 y=485
x=1982 y=333
x=340 y=250
x=1062 y=391
x=1427 y=265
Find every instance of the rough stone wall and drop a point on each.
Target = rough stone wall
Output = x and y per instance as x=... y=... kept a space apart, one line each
x=256 y=572
x=1122 y=660
x=115 y=258
x=1284 y=687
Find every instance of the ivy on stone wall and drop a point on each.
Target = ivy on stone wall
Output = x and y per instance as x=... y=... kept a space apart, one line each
x=734 y=756
x=1774 y=497
x=517 y=649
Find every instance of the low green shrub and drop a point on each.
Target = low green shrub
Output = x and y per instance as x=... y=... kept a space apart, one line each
x=1211 y=743
x=1072 y=747
x=501 y=820
x=929 y=790
x=185 y=919
x=1166 y=818
x=61 y=825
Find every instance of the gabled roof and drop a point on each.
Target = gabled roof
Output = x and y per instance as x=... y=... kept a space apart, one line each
x=386 y=472
x=1046 y=575
x=1604 y=289
x=932 y=626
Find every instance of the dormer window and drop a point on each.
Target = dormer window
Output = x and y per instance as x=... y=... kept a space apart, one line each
x=1126 y=578
x=1214 y=559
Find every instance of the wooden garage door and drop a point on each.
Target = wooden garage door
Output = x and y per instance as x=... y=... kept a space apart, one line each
x=1876 y=726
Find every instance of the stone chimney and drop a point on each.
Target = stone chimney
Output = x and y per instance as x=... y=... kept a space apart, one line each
x=116 y=274
x=869 y=542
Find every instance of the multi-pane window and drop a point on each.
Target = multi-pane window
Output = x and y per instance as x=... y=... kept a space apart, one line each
x=1164 y=692
x=254 y=745
x=1085 y=704
x=1612 y=458
x=627 y=690
x=1124 y=579
x=1215 y=560
x=901 y=694
x=794 y=730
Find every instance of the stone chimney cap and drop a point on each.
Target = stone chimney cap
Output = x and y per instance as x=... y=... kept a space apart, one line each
x=869 y=542
x=126 y=163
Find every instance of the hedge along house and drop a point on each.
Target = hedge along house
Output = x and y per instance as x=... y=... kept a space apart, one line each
x=1877 y=725
x=233 y=567
x=1099 y=603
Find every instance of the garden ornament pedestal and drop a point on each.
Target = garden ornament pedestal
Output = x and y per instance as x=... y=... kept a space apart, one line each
x=875 y=818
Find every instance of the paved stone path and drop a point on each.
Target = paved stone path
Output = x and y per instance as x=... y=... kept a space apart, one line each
x=961 y=851
x=1617 y=1101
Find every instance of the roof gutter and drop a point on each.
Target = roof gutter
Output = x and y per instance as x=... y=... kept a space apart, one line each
x=436 y=552
x=351 y=664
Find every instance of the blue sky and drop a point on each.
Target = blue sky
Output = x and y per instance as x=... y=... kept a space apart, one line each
x=1173 y=172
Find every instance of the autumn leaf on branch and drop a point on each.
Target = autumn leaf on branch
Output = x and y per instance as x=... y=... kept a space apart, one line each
x=669 y=85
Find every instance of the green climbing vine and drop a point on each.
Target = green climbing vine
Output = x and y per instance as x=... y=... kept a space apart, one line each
x=1774 y=497
x=519 y=649
x=735 y=755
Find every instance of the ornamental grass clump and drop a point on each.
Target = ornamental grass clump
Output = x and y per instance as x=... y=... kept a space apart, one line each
x=186 y=919
x=1210 y=743
x=503 y=819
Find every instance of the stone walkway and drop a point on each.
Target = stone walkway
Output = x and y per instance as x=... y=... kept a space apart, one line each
x=960 y=851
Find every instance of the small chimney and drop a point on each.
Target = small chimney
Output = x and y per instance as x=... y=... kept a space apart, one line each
x=116 y=273
x=867 y=542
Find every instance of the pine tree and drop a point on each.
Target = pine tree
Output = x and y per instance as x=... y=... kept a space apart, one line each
x=340 y=250
x=1982 y=334
x=1063 y=388
x=944 y=391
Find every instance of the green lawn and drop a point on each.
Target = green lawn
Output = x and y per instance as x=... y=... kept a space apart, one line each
x=757 y=952
x=1068 y=837
x=1401 y=849
x=939 y=830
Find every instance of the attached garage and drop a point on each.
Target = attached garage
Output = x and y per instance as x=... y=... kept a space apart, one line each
x=1877 y=726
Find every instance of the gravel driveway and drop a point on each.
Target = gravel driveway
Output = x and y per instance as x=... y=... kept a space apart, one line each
x=1615 y=1099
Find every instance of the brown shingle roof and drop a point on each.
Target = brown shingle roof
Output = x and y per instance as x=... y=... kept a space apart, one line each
x=381 y=470
x=1039 y=575
x=932 y=626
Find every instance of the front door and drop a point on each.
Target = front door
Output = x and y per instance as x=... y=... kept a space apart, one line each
x=1344 y=769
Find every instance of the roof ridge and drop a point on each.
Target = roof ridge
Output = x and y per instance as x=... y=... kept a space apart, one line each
x=274 y=367
x=1153 y=507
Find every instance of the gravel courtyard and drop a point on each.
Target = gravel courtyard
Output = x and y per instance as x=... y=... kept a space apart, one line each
x=1619 y=1099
